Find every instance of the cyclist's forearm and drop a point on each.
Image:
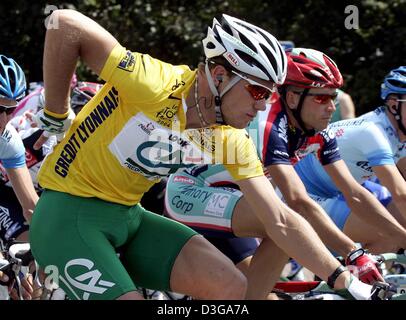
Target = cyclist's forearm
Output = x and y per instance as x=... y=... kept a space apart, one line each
x=299 y=240
x=329 y=233
x=20 y=179
x=400 y=203
x=369 y=209
x=292 y=233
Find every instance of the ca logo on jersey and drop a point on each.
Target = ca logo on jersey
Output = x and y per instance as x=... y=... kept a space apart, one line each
x=89 y=282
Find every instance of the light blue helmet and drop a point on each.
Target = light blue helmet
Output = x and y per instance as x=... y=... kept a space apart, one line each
x=394 y=82
x=12 y=79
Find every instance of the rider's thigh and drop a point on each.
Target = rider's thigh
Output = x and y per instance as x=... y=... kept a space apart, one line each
x=133 y=295
x=245 y=223
x=202 y=271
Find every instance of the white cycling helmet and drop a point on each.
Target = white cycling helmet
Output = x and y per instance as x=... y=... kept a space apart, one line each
x=247 y=49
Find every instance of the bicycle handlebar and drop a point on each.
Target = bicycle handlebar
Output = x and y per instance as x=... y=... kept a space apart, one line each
x=401 y=258
x=22 y=253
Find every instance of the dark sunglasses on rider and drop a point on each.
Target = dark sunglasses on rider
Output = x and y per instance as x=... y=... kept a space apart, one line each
x=7 y=109
x=321 y=98
x=255 y=89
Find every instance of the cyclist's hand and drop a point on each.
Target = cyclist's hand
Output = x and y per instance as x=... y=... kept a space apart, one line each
x=31 y=119
x=52 y=125
x=5 y=272
x=27 y=213
x=26 y=287
x=3 y=277
x=363 y=266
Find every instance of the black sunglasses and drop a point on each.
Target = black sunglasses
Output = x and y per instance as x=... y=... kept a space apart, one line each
x=7 y=109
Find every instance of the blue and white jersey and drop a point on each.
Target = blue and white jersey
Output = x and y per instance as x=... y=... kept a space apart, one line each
x=33 y=158
x=367 y=141
x=12 y=151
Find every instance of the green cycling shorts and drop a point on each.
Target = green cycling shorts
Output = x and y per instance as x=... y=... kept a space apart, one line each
x=77 y=240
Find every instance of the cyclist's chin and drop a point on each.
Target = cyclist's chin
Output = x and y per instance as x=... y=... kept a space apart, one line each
x=322 y=124
x=237 y=122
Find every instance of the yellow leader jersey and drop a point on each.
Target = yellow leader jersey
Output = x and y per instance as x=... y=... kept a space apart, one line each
x=132 y=133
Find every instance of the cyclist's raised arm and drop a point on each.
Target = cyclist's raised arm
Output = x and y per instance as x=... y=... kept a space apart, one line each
x=391 y=178
x=77 y=36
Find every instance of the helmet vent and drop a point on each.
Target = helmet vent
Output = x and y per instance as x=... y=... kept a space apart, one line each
x=251 y=61
x=248 y=43
x=227 y=29
x=270 y=57
x=312 y=77
x=3 y=70
x=397 y=84
x=12 y=79
x=298 y=59
x=210 y=45
x=402 y=72
x=247 y=27
x=269 y=40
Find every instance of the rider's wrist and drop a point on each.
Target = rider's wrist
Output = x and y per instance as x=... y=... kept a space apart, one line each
x=356 y=252
x=331 y=280
x=58 y=116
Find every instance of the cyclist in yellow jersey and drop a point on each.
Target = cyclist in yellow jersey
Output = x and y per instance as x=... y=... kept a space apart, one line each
x=150 y=119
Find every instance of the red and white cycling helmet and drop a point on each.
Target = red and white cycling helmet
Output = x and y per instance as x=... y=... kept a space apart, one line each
x=309 y=68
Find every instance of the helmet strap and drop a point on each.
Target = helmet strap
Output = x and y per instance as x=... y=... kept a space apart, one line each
x=398 y=116
x=297 y=114
x=217 y=96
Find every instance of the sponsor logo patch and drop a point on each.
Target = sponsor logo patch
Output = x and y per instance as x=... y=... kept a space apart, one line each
x=232 y=59
x=183 y=180
x=217 y=205
x=89 y=281
x=127 y=63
